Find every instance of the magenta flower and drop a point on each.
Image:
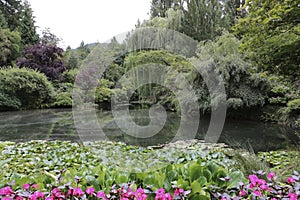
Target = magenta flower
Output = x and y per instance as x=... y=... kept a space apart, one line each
x=253 y=179
x=6 y=198
x=6 y=191
x=264 y=187
x=178 y=191
x=257 y=193
x=19 y=198
x=140 y=194
x=26 y=186
x=290 y=180
x=37 y=195
x=292 y=196
x=101 y=195
x=271 y=175
x=168 y=196
x=90 y=191
x=78 y=192
x=242 y=193
x=35 y=186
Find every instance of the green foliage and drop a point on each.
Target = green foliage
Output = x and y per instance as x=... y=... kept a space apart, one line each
x=23 y=88
x=243 y=89
x=3 y=23
x=102 y=164
x=155 y=93
x=103 y=92
x=294 y=104
x=19 y=17
x=69 y=76
x=270 y=35
x=205 y=19
x=249 y=162
x=26 y=26
x=282 y=162
x=10 y=42
x=63 y=100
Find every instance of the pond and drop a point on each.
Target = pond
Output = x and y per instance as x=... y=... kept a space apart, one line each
x=58 y=124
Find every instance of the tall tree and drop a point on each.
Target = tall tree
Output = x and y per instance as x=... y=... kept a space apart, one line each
x=271 y=35
x=26 y=26
x=204 y=19
x=3 y=23
x=19 y=17
x=160 y=7
x=11 y=10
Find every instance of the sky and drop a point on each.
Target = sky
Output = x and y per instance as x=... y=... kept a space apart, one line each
x=90 y=20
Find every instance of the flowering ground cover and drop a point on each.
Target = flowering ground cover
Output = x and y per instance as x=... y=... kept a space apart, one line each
x=109 y=170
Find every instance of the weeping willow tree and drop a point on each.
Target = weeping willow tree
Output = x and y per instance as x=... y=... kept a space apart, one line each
x=244 y=89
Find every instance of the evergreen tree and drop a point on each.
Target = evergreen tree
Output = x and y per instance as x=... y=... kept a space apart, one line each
x=160 y=7
x=204 y=19
x=3 y=23
x=11 y=10
x=19 y=17
x=27 y=27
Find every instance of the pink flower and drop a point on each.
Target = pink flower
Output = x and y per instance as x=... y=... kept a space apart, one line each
x=101 y=195
x=160 y=191
x=6 y=198
x=56 y=192
x=290 y=180
x=6 y=191
x=168 y=196
x=292 y=196
x=90 y=191
x=50 y=198
x=26 y=186
x=35 y=186
x=19 y=198
x=37 y=195
x=78 y=192
x=261 y=182
x=178 y=191
x=140 y=194
x=242 y=193
x=273 y=199
x=271 y=175
x=253 y=179
x=264 y=187
x=257 y=193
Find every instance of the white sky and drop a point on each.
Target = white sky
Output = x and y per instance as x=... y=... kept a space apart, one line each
x=90 y=20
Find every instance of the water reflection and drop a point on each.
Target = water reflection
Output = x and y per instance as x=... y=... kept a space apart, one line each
x=58 y=125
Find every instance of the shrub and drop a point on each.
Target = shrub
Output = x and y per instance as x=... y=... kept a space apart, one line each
x=63 y=100
x=23 y=88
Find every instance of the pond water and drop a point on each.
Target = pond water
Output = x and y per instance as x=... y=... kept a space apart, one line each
x=58 y=124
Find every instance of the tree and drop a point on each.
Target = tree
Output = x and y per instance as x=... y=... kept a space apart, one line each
x=243 y=89
x=11 y=9
x=46 y=58
x=160 y=7
x=26 y=26
x=10 y=42
x=19 y=17
x=271 y=35
x=49 y=38
x=204 y=19
x=3 y=23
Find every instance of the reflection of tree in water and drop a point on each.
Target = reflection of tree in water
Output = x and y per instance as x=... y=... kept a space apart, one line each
x=37 y=125
x=59 y=125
